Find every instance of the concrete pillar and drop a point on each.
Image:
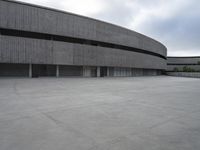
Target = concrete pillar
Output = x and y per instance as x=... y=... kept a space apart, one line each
x=30 y=70
x=57 y=71
x=98 y=71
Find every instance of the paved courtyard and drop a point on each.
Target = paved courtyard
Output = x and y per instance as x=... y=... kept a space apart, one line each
x=141 y=113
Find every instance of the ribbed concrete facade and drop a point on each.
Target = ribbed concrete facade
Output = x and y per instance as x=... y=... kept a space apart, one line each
x=45 y=42
x=178 y=63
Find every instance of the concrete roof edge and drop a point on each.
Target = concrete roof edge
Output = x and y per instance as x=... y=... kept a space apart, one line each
x=65 y=12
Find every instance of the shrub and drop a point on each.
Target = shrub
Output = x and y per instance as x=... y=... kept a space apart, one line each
x=188 y=69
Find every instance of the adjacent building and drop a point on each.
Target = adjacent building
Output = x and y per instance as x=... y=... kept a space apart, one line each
x=183 y=64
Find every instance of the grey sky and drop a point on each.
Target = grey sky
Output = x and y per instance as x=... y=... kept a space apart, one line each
x=175 y=23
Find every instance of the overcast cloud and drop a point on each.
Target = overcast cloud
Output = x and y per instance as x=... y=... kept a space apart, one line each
x=175 y=23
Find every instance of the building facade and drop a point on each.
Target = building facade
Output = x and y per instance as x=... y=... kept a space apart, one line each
x=182 y=63
x=38 y=41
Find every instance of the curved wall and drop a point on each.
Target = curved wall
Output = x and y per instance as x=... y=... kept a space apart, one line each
x=32 y=34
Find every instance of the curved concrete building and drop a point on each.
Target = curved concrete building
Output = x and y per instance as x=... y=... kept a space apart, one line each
x=39 y=41
x=178 y=63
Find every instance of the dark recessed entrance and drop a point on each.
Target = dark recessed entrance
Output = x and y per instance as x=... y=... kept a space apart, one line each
x=43 y=70
x=103 y=71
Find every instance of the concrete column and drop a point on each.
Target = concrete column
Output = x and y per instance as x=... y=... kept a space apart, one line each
x=57 y=71
x=30 y=70
x=83 y=71
x=98 y=71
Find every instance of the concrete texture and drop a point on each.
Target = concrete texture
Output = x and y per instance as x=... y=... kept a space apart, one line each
x=24 y=50
x=28 y=17
x=183 y=60
x=143 y=113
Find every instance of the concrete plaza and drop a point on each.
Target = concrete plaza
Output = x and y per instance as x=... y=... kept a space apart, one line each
x=136 y=113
